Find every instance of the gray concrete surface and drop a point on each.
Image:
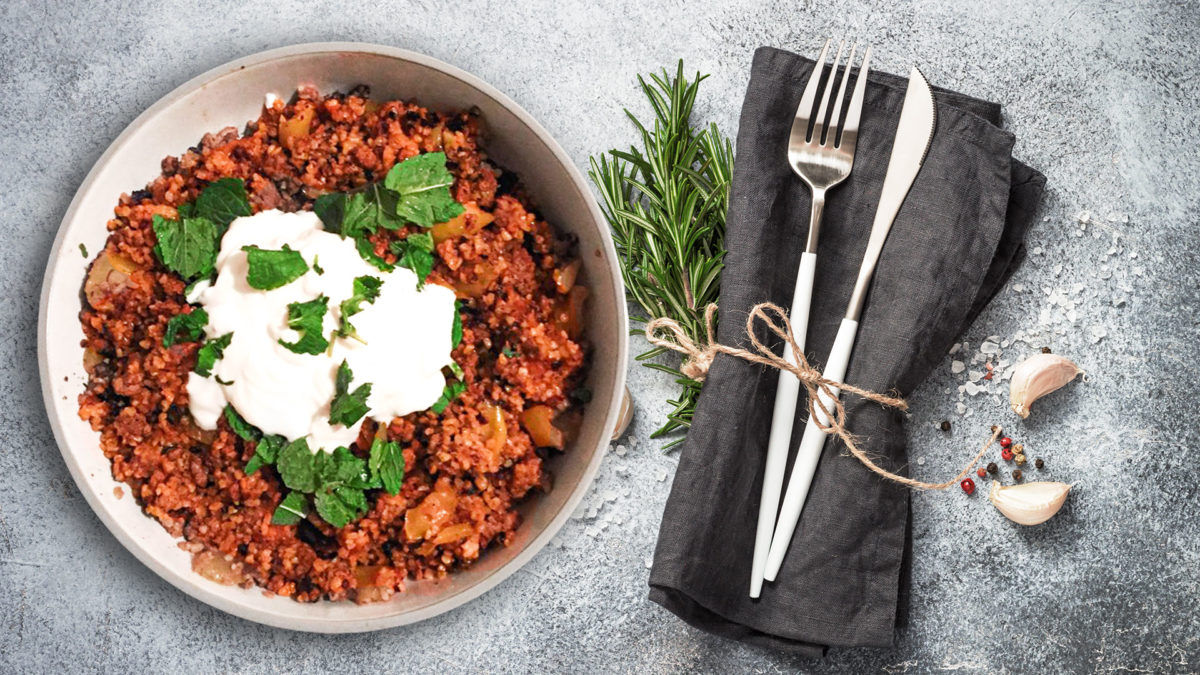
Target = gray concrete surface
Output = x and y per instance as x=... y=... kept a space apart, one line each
x=1102 y=97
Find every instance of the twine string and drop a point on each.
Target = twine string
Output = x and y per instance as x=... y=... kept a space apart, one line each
x=822 y=397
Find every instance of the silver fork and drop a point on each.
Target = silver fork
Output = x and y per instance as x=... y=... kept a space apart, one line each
x=822 y=160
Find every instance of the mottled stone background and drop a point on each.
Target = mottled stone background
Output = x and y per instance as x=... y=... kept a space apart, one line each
x=1103 y=99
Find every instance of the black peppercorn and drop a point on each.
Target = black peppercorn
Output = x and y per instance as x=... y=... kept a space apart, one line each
x=1045 y=350
x=992 y=468
x=1017 y=475
x=945 y=425
x=1039 y=463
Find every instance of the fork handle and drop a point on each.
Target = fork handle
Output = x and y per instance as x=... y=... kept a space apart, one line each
x=809 y=453
x=787 y=394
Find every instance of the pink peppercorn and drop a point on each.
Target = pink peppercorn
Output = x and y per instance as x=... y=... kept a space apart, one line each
x=968 y=486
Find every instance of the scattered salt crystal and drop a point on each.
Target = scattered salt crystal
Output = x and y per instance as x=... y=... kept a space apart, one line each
x=1118 y=302
x=1124 y=219
x=1005 y=343
x=609 y=496
x=1112 y=251
x=960 y=408
x=1132 y=255
x=1046 y=219
x=957 y=367
x=989 y=347
x=1098 y=333
x=921 y=461
x=954 y=349
x=1072 y=316
x=1083 y=216
x=1019 y=288
x=1037 y=250
x=662 y=475
x=649 y=561
x=972 y=389
x=620 y=451
x=974 y=375
x=1058 y=270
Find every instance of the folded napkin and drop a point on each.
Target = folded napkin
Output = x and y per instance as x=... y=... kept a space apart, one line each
x=955 y=242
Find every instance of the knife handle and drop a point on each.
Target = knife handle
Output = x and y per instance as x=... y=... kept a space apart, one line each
x=809 y=453
x=787 y=393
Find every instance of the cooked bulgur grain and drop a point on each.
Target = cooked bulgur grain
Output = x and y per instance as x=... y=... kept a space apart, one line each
x=467 y=468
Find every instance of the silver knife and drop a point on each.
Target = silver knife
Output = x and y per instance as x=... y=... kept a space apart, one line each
x=914 y=134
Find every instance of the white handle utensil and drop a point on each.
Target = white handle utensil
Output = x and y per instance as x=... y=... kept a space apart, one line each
x=914 y=134
x=822 y=160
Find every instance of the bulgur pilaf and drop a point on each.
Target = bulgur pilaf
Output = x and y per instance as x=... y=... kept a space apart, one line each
x=522 y=357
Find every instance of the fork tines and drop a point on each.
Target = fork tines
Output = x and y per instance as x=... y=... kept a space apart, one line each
x=814 y=121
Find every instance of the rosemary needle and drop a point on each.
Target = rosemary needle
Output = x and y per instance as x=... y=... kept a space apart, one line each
x=665 y=201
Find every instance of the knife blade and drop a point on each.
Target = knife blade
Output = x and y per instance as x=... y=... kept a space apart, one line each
x=914 y=135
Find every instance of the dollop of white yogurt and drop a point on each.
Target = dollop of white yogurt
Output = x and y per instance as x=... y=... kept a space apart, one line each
x=406 y=334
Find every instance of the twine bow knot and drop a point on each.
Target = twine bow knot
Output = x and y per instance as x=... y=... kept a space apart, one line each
x=821 y=390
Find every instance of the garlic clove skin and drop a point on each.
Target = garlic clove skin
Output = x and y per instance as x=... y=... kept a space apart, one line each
x=1029 y=503
x=1037 y=376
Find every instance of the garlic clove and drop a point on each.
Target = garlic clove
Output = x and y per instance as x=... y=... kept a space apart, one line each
x=1037 y=376
x=1029 y=503
x=624 y=415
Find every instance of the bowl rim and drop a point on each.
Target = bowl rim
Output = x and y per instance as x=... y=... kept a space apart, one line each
x=189 y=583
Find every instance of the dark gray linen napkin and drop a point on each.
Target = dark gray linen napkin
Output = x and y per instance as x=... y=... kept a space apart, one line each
x=952 y=246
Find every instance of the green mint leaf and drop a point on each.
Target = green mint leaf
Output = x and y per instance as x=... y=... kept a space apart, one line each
x=508 y=351
x=349 y=470
x=366 y=289
x=291 y=510
x=317 y=265
x=308 y=318
x=455 y=369
x=331 y=209
x=187 y=247
x=185 y=327
x=208 y=354
x=354 y=498
x=244 y=430
x=348 y=407
x=266 y=452
x=297 y=466
x=333 y=509
x=449 y=393
x=83 y=250
x=369 y=210
x=456 y=330
x=187 y=210
x=416 y=253
x=422 y=187
x=387 y=464
x=222 y=201
x=221 y=381
x=269 y=269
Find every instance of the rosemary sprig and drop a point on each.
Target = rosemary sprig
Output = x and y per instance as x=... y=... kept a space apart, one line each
x=665 y=202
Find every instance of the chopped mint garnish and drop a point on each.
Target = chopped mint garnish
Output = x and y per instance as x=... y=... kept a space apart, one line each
x=348 y=407
x=451 y=391
x=387 y=464
x=185 y=327
x=212 y=350
x=269 y=269
x=366 y=289
x=308 y=318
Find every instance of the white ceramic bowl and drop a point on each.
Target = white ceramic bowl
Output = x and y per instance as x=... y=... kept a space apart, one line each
x=232 y=95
